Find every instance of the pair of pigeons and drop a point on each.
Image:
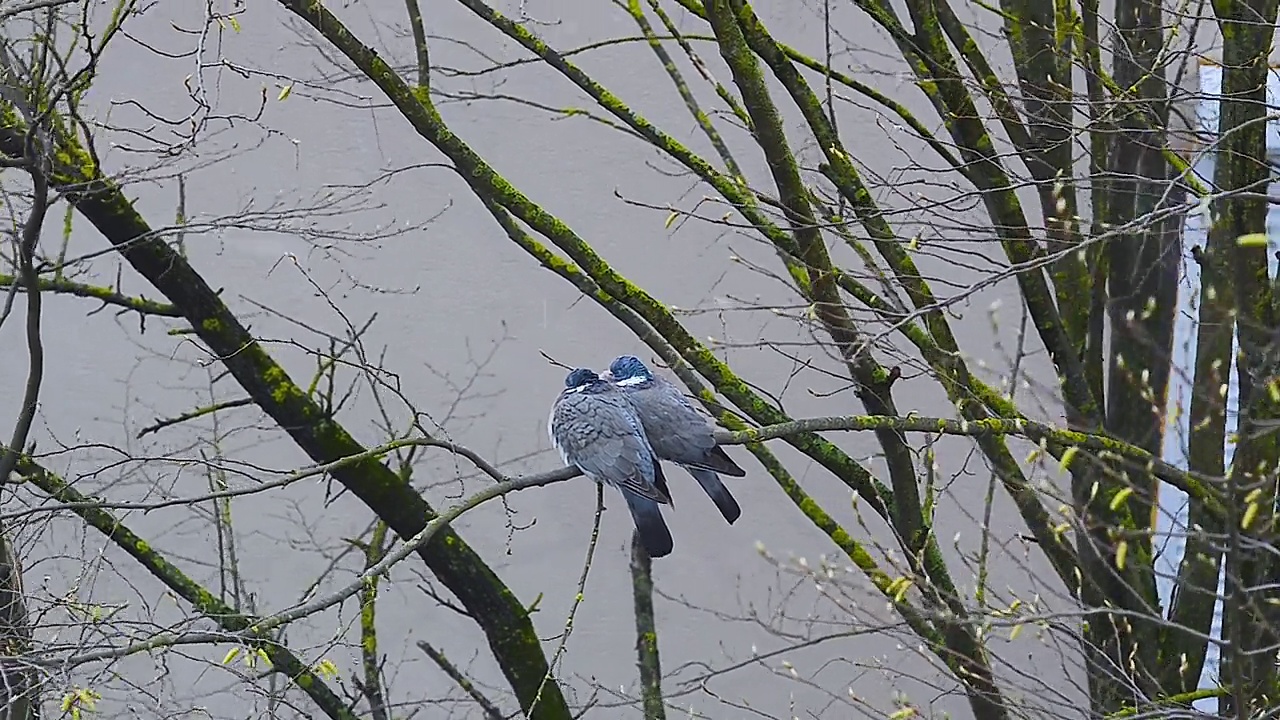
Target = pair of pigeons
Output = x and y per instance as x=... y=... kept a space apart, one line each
x=615 y=428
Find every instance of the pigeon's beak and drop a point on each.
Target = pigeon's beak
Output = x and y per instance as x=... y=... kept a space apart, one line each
x=606 y=376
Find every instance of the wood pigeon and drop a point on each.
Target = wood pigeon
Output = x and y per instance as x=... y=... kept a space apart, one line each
x=596 y=429
x=677 y=431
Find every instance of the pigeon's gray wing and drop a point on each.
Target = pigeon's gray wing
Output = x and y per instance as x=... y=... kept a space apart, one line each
x=603 y=438
x=673 y=429
x=719 y=461
x=688 y=436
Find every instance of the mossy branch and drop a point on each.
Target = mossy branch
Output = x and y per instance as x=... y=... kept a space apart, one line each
x=1175 y=702
x=873 y=386
x=647 y=659
x=490 y=603
x=732 y=22
x=496 y=192
x=682 y=87
x=1105 y=447
x=371 y=686
x=933 y=64
x=698 y=9
x=1243 y=164
x=283 y=660
x=938 y=346
x=108 y=296
x=812 y=511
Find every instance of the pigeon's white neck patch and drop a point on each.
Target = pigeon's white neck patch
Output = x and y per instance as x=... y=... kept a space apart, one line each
x=577 y=389
x=633 y=380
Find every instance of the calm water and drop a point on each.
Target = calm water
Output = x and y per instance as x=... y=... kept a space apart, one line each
x=278 y=212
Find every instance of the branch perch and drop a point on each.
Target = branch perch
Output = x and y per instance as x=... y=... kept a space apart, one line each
x=108 y=296
x=1194 y=484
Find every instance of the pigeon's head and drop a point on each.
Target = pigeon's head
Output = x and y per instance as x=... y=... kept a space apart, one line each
x=629 y=370
x=580 y=379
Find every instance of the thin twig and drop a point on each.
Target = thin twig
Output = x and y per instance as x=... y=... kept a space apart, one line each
x=491 y=711
x=233 y=624
x=419 y=43
x=161 y=424
x=579 y=596
x=256 y=631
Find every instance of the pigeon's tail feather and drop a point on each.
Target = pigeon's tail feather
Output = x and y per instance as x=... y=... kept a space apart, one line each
x=716 y=460
x=660 y=482
x=652 y=529
x=718 y=493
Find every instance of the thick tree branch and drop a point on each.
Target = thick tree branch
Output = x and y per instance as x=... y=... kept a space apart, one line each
x=872 y=383
x=493 y=606
x=496 y=192
x=731 y=21
x=647 y=660
x=1251 y=620
x=943 y=352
